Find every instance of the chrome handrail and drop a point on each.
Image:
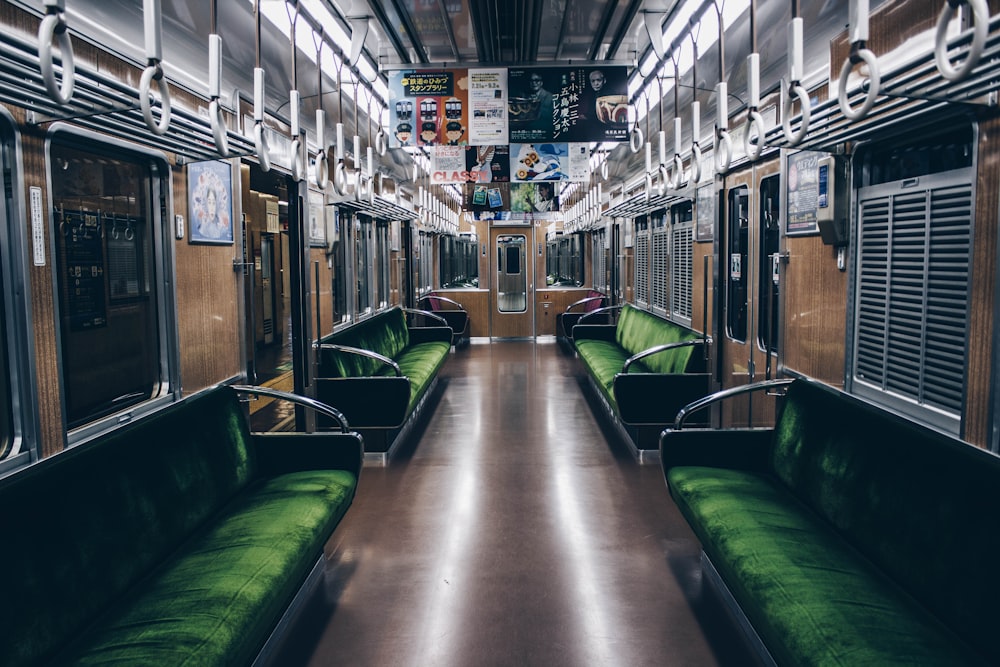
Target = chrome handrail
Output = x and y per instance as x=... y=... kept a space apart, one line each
x=360 y=352
x=441 y=298
x=426 y=313
x=584 y=301
x=600 y=311
x=656 y=349
x=705 y=401
x=311 y=403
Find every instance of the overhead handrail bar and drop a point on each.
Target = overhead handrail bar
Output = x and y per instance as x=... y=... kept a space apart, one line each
x=295 y=100
x=153 y=25
x=754 y=120
x=694 y=32
x=219 y=130
x=860 y=53
x=321 y=168
x=796 y=91
x=723 y=142
x=53 y=28
x=980 y=31
x=259 y=135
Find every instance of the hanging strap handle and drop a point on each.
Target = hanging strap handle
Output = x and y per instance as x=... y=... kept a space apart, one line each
x=859 y=54
x=219 y=130
x=152 y=18
x=54 y=29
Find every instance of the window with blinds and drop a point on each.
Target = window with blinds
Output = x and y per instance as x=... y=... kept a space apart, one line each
x=681 y=270
x=641 y=263
x=912 y=297
x=661 y=269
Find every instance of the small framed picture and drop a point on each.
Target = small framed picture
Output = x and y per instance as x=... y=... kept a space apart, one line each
x=210 y=203
x=317 y=220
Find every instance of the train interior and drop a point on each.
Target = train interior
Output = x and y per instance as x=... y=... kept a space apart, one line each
x=201 y=196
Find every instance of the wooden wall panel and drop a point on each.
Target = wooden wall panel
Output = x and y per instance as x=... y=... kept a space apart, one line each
x=983 y=295
x=549 y=303
x=477 y=304
x=208 y=294
x=815 y=317
x=700 y=308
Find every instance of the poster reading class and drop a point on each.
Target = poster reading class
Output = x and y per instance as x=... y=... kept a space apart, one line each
x=429 y=108
x=567 y=104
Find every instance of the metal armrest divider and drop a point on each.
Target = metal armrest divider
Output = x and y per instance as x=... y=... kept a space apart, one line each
x=656 y=349
x=426 y=313
x=600 y=311
x=311 y=403
x=360 y=352
x=727 y=393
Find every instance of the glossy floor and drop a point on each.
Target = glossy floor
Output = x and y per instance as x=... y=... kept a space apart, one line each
x=515 y=530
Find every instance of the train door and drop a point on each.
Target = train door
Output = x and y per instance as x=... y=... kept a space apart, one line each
x=512 y=287
x=749 y=325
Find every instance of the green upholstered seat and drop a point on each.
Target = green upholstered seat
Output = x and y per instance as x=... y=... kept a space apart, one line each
x=178 y=539
x=848 y=535
x=366 y=390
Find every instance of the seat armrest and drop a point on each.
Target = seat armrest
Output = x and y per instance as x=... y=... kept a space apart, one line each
x=430 y=335
x=443 y=299
x=305 y=401
x=605 y=332
x=584 y=302
x=601 y=311
x=279 y=453
x=656 y=349
x=364 y=353
x=425 y=313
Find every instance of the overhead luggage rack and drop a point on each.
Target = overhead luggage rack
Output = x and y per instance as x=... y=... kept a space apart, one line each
x=104 y=104
x=639 y=204
x=380 y=208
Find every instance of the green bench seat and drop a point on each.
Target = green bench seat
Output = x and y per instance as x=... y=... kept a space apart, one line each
x=846 y=535
x=645 y=369
x=181 y=538
x=379 y=372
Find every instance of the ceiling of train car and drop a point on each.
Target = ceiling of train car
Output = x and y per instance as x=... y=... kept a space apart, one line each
x=492 y=32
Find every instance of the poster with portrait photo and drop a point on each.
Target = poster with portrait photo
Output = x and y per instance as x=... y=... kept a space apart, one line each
x=536 y=198
x=210 y=202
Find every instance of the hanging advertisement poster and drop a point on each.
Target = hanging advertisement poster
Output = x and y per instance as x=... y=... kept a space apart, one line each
x=470 y=164
x=539 y=162
x=533 y=198
x=488 y=104
x=578 y=163
x=487 y=197
x=568 y=104
x=429 y=108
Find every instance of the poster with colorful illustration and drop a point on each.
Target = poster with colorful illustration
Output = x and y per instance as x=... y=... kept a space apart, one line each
x=469 y=164
x=429 y=108
x=581 y=104
x=210 y=202
x=539 y=162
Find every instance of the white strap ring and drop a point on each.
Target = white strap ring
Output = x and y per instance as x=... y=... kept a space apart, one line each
x=981 y=27
x=695 y=163
x=150 y=74
x=261 y=147
x=797 y=91
x=755 y=123
x=723 y=152
x=218 y=128
x=635 y=139
x=53 y=27
x=874 y=82
x=321 y=170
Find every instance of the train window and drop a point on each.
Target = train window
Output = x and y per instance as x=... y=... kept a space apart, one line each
x=600 y=261
x=458 y=265
x=661 y=263
x=911 y=305
x=110 y=322
x=737 y=243
x=512 y=279
x=363 y=264
x=382 y=256
x=14 y=356
x=767 y=303
x=642 y=262
x=682 y=237
x=339 y=258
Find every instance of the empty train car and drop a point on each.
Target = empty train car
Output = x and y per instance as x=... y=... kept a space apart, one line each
x=482 y=332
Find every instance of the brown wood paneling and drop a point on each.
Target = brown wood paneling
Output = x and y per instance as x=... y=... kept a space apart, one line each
x=983 y=295
x=701 y=309
x=551 y=302
x=815 y=316
x=477 y=305
x=324 y=290
x=208 y=289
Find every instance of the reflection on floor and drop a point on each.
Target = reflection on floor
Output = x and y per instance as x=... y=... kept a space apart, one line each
x=274 y=370
x=515 y=529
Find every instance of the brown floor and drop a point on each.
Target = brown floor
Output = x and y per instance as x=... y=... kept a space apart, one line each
x=515 y=530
